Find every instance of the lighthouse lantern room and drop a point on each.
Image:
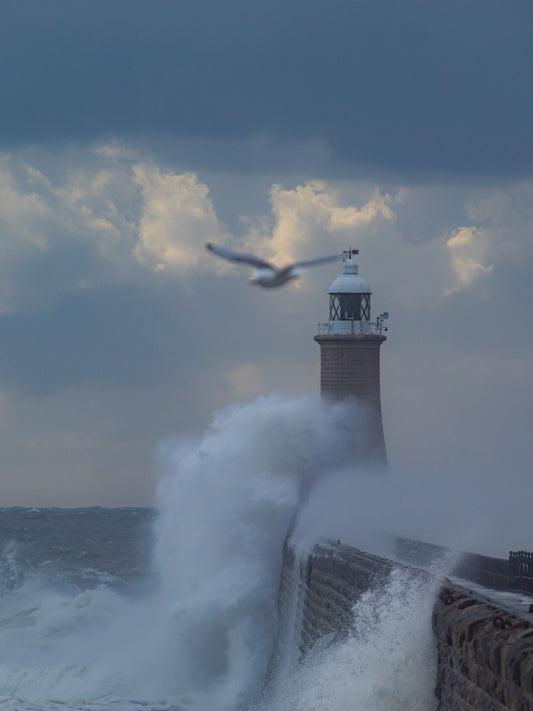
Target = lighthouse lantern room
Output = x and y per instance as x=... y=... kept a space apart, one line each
x=349 y=300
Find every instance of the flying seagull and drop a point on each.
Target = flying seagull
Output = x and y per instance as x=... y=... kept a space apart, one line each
x=266 y=274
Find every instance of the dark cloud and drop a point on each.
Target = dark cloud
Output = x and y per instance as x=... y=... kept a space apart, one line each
x=113 y=337
x=129 y=337
x=40 y=277
x=409 y=86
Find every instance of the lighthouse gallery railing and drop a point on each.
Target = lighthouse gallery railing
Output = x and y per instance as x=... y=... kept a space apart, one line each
x=366 y=328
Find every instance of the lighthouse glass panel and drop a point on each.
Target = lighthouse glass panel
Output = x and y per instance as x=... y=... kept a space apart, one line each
x=334 y=307
x=365 y=307
x=349 y=307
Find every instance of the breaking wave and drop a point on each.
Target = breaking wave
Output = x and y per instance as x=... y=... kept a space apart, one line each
x=200 y=636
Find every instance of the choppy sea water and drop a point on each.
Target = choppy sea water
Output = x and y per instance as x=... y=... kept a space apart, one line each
x=174 y=608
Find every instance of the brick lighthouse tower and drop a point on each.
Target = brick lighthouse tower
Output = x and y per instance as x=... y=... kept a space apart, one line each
x=349 y=354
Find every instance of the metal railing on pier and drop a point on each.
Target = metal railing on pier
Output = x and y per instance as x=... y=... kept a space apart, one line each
x=514 y=574
x=521 y=571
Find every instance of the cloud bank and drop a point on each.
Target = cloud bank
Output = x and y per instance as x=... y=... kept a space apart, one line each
x=117 y=327
x=440 y=88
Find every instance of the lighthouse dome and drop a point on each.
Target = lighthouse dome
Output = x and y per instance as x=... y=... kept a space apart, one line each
x=349 y=282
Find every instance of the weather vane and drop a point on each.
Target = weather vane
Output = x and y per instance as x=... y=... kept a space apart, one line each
x=349 y=252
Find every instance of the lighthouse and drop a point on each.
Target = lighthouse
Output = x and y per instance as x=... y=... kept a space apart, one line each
x=349 y=355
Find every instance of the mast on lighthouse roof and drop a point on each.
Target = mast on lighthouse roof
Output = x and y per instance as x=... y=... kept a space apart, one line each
x=349 y=352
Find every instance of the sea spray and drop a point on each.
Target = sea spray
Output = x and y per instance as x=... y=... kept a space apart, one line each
x=227 y=504
x=12 y=570
x=386 y=661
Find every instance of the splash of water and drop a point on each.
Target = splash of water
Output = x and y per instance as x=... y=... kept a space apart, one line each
x=227 y=504
x=202 y=640
x=387 y=661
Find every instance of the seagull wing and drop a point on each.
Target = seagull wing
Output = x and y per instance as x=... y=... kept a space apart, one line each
x=312 y=262
x=238 y=257
x=292 y=270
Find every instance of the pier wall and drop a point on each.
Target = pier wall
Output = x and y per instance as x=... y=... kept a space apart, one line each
x=485 y=653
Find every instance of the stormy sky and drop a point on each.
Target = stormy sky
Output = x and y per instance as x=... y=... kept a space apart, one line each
x=131 y=133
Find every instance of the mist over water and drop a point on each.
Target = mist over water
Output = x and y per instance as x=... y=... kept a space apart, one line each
x=197 y=632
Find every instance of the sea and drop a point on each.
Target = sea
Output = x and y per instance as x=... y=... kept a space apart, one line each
x=173 y=607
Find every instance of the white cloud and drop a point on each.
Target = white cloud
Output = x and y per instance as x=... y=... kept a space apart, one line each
x=305 y=216
x=140 y=218
x=507 y=217
x=97 y=204
x=467 y=248
x=23 y=215
x=134 y=215
x=116 y=150
x=476 y=231
x=178 y=217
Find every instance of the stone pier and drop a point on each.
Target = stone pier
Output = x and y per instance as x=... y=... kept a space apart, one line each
x=484 y=648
